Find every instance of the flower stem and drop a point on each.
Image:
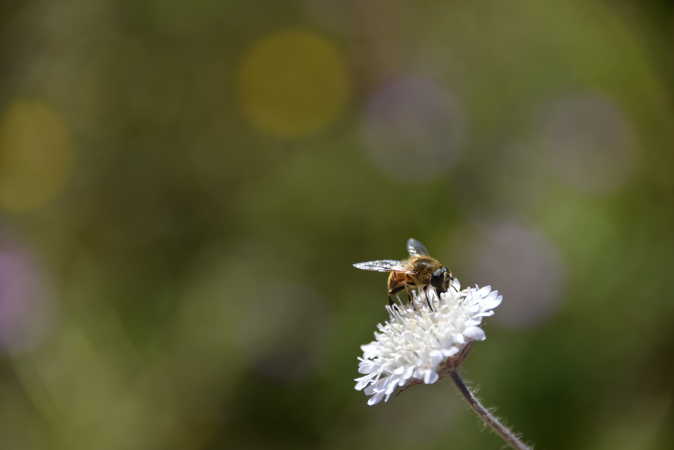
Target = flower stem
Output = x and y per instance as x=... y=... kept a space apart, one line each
x=487 y=417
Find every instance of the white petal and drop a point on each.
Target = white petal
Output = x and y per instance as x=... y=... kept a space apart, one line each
x=391 y=386
x=474 y=334
x=375 y=399
x=366 y=367
x=431 y=377
x=492 y=300
x=362 y=382
x=436 y=357
x=448 y=353
x=484 y=291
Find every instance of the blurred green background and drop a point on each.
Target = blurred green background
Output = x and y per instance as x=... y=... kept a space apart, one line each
x=184 y=186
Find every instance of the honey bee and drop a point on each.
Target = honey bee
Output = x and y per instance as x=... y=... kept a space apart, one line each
x=418 y=271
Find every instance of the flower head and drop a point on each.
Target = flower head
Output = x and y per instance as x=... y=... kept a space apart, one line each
x=423 y=339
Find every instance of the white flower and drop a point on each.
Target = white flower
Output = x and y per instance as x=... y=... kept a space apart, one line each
x=423 y=339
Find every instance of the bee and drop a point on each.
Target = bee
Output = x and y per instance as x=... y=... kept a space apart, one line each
x=418 y=271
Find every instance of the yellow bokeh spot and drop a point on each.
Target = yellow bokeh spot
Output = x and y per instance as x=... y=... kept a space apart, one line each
x=293 y=83
x=35 y=155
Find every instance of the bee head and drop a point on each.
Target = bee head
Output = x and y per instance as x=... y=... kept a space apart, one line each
x=440 y=279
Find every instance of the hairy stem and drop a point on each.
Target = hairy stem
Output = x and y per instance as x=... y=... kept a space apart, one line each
x=487 y=417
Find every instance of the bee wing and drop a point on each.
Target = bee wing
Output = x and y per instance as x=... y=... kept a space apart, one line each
x=383 y=265
x=416 y=248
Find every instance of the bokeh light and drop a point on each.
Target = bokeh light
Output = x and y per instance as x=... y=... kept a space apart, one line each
x=293 y=83
x=590 y=141
x=25 y=313
x=35 y=155
x=524 y=266
x=413 y=128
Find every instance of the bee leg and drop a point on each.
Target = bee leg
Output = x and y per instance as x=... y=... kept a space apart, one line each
x=421 y=292
x=428 y=302
x=392 y=292
x=410 y=297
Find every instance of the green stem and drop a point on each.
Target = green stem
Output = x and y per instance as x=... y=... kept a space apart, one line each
x=487 y=417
